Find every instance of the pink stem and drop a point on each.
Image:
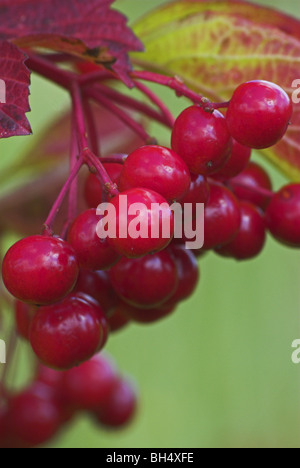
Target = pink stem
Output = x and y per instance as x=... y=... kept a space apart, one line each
x=93 y=134
x=123 y=116
x=169 y=118
x=115 y=159
x=50 y=71
x=259 y=190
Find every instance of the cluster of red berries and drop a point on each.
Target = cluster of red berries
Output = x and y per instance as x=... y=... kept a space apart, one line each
x=35 y=415
x=73 y=292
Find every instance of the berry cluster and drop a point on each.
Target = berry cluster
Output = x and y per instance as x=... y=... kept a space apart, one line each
x=73 y=290
x=35 y=415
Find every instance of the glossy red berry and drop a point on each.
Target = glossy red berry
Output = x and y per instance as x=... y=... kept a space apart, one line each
x=148 y=316
x=145 y=282
x=238 y=161
x=97 y=285
x=119 y=318
x=90 y=385
x=33 y=416
x=24 y=314
x=222 y=217
x=156 y=168
x=252 y=185
x=202 y=140
x=67 y=334
x=283 y=215
x=92 y=253
x=40 y=270
x=188 y=273
x=198 y=191
x=251 y=237
x=144 y=223
x=259 y=114
x=93 y=190
x=120 y=408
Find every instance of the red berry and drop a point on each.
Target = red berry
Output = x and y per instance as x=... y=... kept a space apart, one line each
x=253 y=185
x=119 y=319
x=33 y=416
x=198 y=191
x=146 y=316
x=40 y=270
x=251 y=237
x=156 y=168
x=283 y=215
x=141 y=231
x=238 y=161
x=67 y=334
x=120 y=407
x=93 y=190
x=202 y=140
x=92 y=253
x=90 y=385
x=259 y=114
x=97 y=285
x=145 y=282
x=222 y=217
x=188 y=273
x=24 y=314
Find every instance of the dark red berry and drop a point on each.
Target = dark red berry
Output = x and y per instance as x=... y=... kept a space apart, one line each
x=188 y=272
x=283 y=215
x=24 y=314
x=97 y=285
x=158 y=169
x=93 y=190
x=90 y=385
x=144 y=223
x=259 y=114
x=33 y=416
x=92 y=253
x=120 y=407
x=253 y=185
x=251 y=237
x=198 y=191
x=238 y=161
x=67 y=334
x=147 y=316
x=119 y=319
x=145 y=282
x=202 y=140
x=222 y=217
x=40 y=270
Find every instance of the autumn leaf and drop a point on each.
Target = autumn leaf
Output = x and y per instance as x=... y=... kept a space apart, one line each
x=216 y=45
x=14 y=91
x=90 y=29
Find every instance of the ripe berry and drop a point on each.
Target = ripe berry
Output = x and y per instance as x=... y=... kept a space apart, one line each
x=93 y=191
x=40 y=270
x=144 y=223
x=90 y=385
x=156 y=168
x=198 y=191
x=119 y=319
x=238 y=161
x=24 y=314
x=252 y=185
x=251 y=237
x=33 y=416
x=97 y=285
x=67 y=334
x=222 y=217
x=259 y=114
x=119 y=409
x=146 y=316
x=188 y=273
x=283 y=215
x=202 y=140
x=92 y=253
x=145 y=282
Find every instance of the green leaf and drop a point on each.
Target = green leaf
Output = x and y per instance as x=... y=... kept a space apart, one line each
x=217 y=45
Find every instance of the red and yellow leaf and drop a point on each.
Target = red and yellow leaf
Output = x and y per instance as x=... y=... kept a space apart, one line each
x=216 y=45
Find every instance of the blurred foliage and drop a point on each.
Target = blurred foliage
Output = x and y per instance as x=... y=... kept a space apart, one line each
x=218 y=373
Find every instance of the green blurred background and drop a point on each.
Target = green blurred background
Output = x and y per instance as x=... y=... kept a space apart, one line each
x=218 y=373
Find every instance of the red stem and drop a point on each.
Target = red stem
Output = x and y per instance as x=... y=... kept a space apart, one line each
x=50 y=71
x=92 y=128
x=259 y=190
x=169 y=118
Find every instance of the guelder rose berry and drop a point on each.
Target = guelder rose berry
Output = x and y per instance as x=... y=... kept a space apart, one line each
x=259 y=114
x=40 y=270
x=93 y=191
x=156 y=168
x=202 y=140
